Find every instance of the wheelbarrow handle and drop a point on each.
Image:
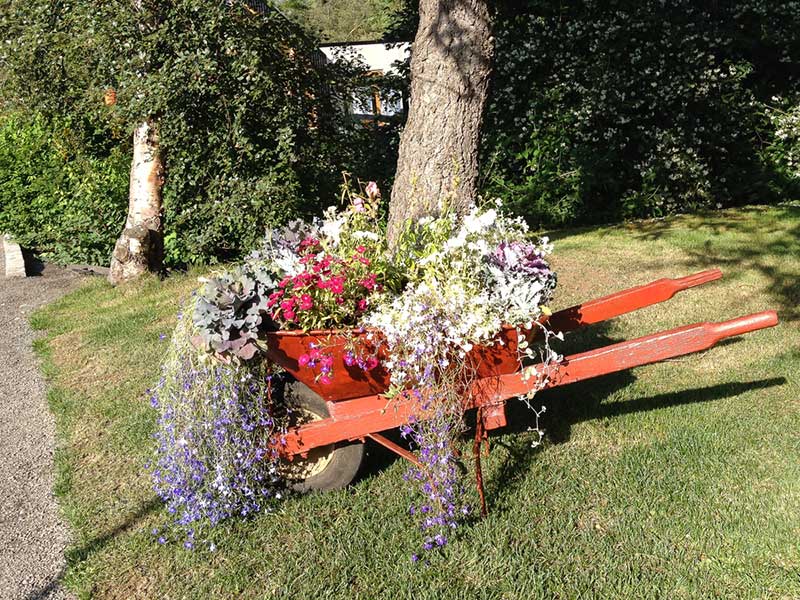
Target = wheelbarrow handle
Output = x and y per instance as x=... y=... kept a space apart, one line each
x=627 y=301
x=754 y=322
x=633 y=353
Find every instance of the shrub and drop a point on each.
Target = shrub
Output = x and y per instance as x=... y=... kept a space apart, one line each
x=783 y=149
x=56 y=195
x=248 y=116
x=608 y=110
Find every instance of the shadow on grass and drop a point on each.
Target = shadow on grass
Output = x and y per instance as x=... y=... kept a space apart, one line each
x=378 y=458
x=569 y=406
x=77 y=554
x=766 y=245
x=582 y=402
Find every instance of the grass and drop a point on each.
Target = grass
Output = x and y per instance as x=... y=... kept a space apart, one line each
x=678 y=480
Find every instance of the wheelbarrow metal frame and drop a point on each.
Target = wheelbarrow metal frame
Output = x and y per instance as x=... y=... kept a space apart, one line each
x=367 y=416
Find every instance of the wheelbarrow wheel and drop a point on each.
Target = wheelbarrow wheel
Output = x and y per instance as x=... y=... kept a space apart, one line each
x=330 y=467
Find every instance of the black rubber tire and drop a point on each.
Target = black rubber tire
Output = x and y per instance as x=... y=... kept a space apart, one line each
x=347 y=456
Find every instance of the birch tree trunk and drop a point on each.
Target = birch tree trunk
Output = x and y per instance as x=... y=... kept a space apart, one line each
x=450 y=68
x=140 y=247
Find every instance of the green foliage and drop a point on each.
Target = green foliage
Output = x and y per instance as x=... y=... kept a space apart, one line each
x=783 y=149
x=601 y=111
x=249 y=118
x=344 y=20
x=58 y=196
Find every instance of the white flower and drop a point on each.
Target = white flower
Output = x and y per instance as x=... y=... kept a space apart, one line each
x=488 y=218
x=289 y=263
x=366 y=235
x=332 y=229
x=458 y=241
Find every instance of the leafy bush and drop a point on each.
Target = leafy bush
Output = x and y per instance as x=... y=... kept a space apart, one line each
x=783 y=151
x=247 y=123
x=248 y=116
x=57 y=196
x=607 y=110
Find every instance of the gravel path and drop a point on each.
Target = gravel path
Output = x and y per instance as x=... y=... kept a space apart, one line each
x=32 y=533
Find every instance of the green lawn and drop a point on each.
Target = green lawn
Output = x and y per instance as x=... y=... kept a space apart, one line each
x=676 y=480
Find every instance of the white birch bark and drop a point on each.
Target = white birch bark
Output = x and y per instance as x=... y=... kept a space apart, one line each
x=140 y=246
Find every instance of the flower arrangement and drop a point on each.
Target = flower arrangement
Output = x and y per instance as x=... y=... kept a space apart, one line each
x=214 y=459
x=331 y=270
x=450 y=283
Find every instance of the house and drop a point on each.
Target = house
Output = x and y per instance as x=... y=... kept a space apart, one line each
x=380 y=94
x=383 y=97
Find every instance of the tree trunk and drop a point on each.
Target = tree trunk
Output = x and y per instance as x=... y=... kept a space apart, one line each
x=451 y=61
x=140 y=247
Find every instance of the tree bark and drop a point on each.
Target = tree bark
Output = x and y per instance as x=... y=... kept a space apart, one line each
x=451 y=61
x=140 y=247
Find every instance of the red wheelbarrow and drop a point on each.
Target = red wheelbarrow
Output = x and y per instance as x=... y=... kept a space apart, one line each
x=326 y=447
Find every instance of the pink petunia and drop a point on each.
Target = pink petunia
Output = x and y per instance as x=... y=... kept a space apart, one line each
x=274 y=298
x=303 y=360
x=308 y=243
x=302 y=279
x=369 y=281
x=336 y=285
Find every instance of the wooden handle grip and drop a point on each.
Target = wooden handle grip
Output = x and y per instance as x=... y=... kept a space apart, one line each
x=627 y=301
x=684 y=283
x=746 y=324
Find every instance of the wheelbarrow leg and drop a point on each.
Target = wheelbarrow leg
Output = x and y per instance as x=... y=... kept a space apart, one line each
x=476 y=454
x=493 y=416
x=399 y=450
